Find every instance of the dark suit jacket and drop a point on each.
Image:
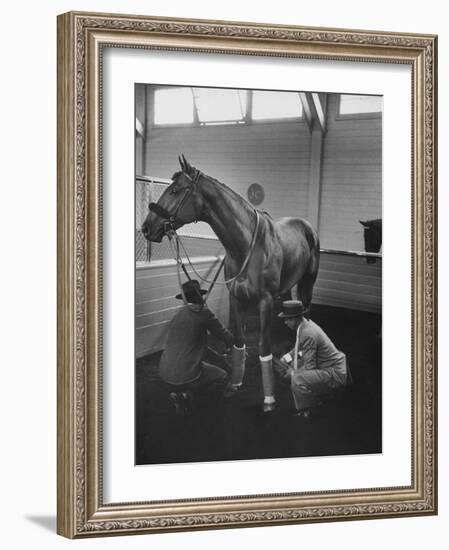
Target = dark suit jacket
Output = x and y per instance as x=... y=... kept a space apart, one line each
x=187 y=343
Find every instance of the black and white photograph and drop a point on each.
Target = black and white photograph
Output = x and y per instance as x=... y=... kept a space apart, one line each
x=258 y=287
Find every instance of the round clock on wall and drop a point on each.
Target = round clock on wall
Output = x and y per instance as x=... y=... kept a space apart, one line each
x=256 y=194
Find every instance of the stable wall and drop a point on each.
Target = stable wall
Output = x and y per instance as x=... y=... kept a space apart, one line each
x=278 y=156
x=156 y=288
x=351 y=177
x=349 y=282
x=275 y=155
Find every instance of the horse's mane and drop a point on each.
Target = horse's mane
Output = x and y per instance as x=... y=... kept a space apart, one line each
x=212 y=179
x=219 y=184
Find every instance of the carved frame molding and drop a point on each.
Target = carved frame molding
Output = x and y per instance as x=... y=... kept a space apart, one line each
x=81 y=37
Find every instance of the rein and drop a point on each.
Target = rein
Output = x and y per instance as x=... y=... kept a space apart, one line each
x=177 y=256
x=180 y=265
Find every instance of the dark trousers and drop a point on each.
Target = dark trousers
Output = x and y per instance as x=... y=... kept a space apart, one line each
x=209 y=385
x=310 y=386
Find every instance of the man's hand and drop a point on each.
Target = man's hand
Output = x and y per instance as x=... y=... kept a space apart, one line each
x=282 y=369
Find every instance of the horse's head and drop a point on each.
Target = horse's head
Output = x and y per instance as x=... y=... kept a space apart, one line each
x=179 y=204
x=373 y=237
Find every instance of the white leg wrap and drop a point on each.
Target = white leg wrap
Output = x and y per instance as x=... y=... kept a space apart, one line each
x=267 y=379
x=238 y=365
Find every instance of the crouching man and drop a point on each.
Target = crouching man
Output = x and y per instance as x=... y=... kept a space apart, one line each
x=314 y=368
x=182 y=363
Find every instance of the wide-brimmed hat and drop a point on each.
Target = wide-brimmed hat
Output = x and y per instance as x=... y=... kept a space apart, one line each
x=192 y=291
x=291 y=309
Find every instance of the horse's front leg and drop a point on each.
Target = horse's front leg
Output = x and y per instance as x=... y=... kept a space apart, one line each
x=265 y=355
x=239 y=348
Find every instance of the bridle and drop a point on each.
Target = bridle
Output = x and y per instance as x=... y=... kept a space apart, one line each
x=172 y=219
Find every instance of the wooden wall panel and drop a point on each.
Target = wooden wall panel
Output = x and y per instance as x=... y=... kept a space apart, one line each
x=351 y=187
x=348 y=281
x=156 y=287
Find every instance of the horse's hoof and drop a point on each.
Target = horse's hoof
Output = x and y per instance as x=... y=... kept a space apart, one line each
x=269 y=407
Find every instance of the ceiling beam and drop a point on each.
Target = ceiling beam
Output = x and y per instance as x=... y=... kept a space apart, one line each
x=320 y=105
x=307 y=108
x=140 y=129
x=314 y=106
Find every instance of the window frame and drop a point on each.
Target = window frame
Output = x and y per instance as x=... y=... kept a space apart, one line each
x=245 y=121
x=356 y=116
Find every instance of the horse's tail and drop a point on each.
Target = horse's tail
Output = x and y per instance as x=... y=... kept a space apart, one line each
x=305 y=286
x=314 y=262
x=313 y=241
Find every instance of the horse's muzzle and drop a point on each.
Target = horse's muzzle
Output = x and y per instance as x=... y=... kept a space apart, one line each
x=150 y=236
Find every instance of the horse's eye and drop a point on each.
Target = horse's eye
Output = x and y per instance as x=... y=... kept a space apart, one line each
x=174 y=190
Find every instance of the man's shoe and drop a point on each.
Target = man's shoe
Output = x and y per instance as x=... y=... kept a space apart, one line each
x=179 y=401
x=311 y=412
x=231 y=390
x=188 y=401
x=303 y=413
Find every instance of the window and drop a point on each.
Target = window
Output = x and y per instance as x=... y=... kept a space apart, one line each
x=220 y=106
x=276 y=105
x=174 y=106
x=360 y=104
x=214 y=106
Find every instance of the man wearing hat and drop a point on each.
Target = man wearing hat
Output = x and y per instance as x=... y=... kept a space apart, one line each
x=183 y=364
x=314 y=368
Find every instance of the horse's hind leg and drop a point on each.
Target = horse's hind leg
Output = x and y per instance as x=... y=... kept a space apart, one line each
x=294 y=292
x=306 y=284
x=305 y=290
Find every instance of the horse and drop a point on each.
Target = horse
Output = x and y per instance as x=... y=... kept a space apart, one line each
x=373 y=237
x=264 y=259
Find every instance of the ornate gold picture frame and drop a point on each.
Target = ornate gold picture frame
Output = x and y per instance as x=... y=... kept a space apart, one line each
x=82 y=509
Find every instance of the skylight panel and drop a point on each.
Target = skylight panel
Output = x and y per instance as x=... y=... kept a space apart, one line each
x=217 y=105
x=356 y=104
x=173 y=106
x=276 y=105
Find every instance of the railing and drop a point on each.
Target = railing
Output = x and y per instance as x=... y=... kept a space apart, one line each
x=360 y=254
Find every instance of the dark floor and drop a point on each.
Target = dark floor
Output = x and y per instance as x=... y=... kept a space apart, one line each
x=235 y=428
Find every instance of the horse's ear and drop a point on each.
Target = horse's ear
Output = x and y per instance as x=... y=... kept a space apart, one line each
x=186 y=166
x=181 y=160
x=365 y=224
